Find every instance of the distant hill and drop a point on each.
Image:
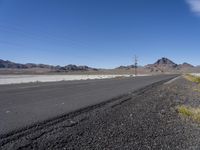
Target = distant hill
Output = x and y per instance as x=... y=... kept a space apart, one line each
x=165 y=62
x=126 y=67
x=164 y=65
x=11 y=65
x=185 y=65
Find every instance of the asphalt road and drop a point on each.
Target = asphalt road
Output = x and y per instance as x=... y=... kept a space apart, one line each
x=25 y=104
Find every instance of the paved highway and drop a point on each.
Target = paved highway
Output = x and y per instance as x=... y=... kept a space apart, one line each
x=25 y=104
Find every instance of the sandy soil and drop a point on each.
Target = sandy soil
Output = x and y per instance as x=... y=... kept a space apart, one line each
x=16 y=79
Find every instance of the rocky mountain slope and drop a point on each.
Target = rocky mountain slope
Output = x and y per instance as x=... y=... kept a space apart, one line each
x=166 y=65
x=11 y=65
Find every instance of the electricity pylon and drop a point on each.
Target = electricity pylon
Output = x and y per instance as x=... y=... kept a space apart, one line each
x=136 y=63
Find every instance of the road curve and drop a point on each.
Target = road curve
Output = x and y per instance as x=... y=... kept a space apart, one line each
x=25 y=104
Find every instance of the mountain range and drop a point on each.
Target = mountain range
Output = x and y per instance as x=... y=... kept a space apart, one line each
x=163 y=65
x=11 y=65
x=166 y=65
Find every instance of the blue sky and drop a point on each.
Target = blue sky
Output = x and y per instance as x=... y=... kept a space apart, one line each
x=99 y=33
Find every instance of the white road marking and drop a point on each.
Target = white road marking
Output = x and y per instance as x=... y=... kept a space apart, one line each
x=169 y=82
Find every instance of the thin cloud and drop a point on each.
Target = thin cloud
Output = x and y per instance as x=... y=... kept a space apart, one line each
x=194 y=6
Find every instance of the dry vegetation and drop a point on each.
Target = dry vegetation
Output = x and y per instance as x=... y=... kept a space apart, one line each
x=192 y=78
x=191 y=112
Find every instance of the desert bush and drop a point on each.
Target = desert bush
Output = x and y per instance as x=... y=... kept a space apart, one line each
x=191 y=112
x=193 y=78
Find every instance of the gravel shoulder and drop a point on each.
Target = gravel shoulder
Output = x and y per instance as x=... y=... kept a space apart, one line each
x=145 y=119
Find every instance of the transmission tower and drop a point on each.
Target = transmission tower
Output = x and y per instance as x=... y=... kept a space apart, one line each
x=136 y=64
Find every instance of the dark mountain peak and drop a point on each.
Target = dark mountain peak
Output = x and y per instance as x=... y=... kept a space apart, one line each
x=165 y=61
x=162 y=65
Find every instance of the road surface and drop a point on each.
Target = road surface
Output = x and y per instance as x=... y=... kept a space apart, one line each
x=25 y=104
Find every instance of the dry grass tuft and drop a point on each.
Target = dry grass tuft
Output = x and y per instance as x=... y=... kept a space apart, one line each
x=191 y=112
x=192 y=78
x=196 y=90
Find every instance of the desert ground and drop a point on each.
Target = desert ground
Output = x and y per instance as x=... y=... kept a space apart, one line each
x=144 y=112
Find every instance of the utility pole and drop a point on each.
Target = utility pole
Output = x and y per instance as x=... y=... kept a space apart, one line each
x=136 y=63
